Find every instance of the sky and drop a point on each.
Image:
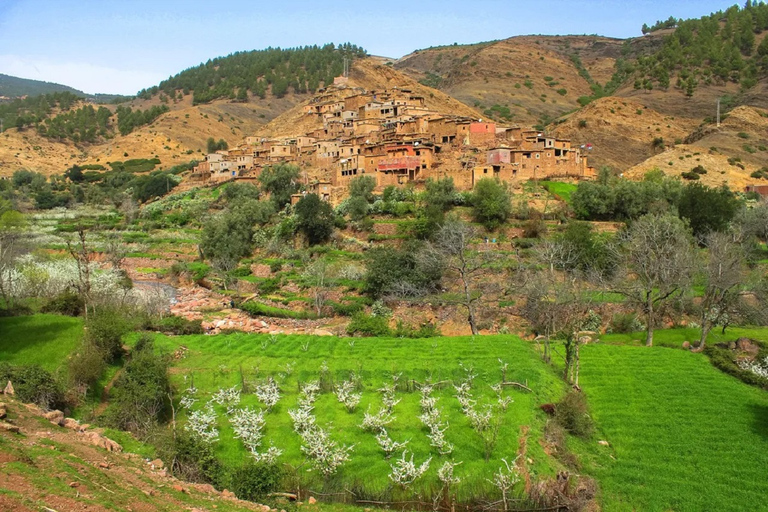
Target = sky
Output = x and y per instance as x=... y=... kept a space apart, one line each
x=123 y=46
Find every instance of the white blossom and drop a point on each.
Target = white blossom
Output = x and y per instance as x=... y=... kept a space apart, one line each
x=405 y=472
x=759 y=368
x=268 y=393
x=248 y=425
x=445 y=473
x=202 y=423
x=387 y=444
x=376 y=422
x=346 y=395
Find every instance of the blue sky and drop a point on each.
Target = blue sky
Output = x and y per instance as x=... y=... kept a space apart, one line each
x=121 y=46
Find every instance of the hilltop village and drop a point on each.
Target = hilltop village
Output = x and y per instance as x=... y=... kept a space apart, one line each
x=394 y=136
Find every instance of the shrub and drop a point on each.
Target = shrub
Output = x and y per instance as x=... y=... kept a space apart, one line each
x=87 y=365
x=33 y=384
x=723 y=359
x=624 y=323
x=177 y=325
x=255 y=481
x=345 y=309
x=66 y=303
x=191 y=459
x=139 y=398
x=699 y=169
x=690 y=175
x=572 y=414
x=367 y=325
x=582 y=123
x=104 y=329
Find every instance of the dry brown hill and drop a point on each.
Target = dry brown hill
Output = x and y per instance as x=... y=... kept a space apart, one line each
x=368 y=74
x=534 y=76
x=621 y=131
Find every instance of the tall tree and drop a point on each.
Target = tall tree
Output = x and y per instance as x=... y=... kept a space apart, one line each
x=280 y=182
x=491 y=204
x=724 y=273
x=314 y=218
x=658 y=256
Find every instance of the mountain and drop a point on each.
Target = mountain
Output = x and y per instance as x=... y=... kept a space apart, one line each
x=14 y=87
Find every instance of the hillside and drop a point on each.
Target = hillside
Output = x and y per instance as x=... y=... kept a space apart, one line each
x=14 y=87
x=371 y=75
x=535 y=77
x=621 y=130
x=48 y=467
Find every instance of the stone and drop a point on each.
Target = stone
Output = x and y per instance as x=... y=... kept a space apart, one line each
x=311 y=500
x=104 y=465
x=99 y=440
x=9 y=389
x=157 y=464
x=549 y=409
x=55 y=417
x=3 y=410
x=227 y=493
x=71 y=424
x=603 y=443
x=9 y=428
x=686 y=345
x=178 y=488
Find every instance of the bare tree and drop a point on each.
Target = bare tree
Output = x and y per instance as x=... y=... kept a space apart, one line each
x=556 y=306
x=317 y=276
x=81 y=255
x=116 y=252
x=724 y=272
x=557 y=254
x=11 y=247
x=658 y=255
x=454 y=243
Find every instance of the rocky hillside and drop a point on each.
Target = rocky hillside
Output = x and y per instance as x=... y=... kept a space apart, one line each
x=48 y=467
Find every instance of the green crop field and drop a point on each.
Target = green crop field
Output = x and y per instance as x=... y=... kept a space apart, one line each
x=44 y=340
x=562 y=190
x=683 y=436
x=224 y=361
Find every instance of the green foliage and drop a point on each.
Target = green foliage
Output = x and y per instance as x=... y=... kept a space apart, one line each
x=360 y=197
x=139 y=398
x=67 y=303
x=301 y=69
x=228 y=236
x=33 y=384
x=719 y=47
x=34 y=109
x=260 y=309
x=191 y=459
x=212 y=145
x=254 y=481
x=280 y=181
x=135 y=165
x=399 y=271
x=177 y=325
x=499 y=112
x=624 y=323
x=129 y=119
x=618 y=199
x=432 y=80
x=491 y=204
x=368 y=325
x=314 y=218
x=591 y=251
x=104 y=329
x=707 y=209
x=725 y=360
x=572 y=413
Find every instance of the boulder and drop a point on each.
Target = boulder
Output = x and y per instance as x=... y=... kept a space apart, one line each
x=9 y=428
x=686 y=345
x=3 y=410
x=311 y=500
x=9 y=389
x=55 y=417
x=71 y=424
x=99 y=440
x=157 y=464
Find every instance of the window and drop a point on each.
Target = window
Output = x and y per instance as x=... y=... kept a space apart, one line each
x=538 y=155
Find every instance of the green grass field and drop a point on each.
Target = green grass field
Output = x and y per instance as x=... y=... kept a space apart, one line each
x=562 y=190
x=45 y=340
x=217 y=362
x=683 y=436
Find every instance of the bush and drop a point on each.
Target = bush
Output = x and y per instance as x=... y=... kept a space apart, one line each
x=255 y=481
x=66 y=303
x=104 y=330
x=139 y=398
x=426 y=330
x=690 y=175
x=190 y=459
x=723 y=359
x=572 y=414
x=624 y=323
x=176 y=325
x=345 y=309
x=33 y=384
x=87 y=365
x=367 y=325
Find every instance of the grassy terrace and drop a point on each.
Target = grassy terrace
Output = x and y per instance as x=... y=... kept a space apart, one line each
x=683 y=436
x=217 y=362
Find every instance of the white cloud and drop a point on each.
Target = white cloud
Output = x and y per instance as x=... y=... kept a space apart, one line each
x=84 y=76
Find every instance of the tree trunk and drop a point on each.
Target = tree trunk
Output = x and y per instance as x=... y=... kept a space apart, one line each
x=649 y=328
x=706 y=326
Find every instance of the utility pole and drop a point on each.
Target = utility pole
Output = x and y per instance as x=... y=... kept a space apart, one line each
x=718 y=112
